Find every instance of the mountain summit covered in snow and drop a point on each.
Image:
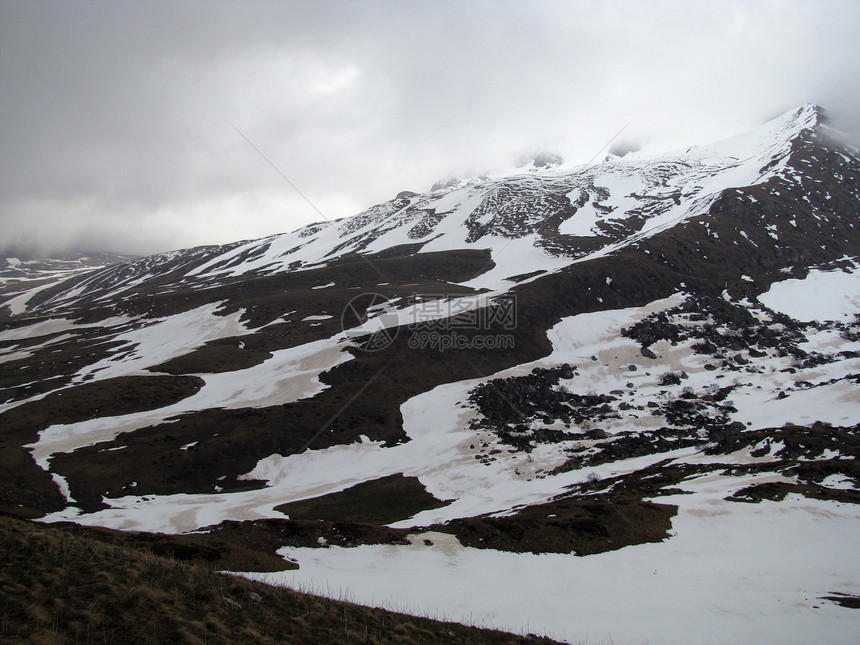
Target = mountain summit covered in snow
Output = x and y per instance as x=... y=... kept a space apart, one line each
x=609 y=400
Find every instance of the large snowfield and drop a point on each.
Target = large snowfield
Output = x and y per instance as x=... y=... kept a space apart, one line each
x=755 y=576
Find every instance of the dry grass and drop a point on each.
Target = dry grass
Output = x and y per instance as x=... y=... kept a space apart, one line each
x=63 y=586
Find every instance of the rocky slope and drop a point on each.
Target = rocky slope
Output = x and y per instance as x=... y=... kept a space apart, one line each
x=655 y=353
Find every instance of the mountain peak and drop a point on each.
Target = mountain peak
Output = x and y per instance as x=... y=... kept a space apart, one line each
x=539 y=218
x=800 y=119
x=653 y=359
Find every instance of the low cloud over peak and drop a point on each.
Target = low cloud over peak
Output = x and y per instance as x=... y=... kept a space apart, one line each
x=119 y=128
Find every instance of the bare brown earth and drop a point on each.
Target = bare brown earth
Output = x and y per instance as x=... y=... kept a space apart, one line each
x=26 y=489
x=380 y=501
x=580 y=525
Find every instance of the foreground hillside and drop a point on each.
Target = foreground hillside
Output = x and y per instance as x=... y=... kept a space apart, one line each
x=59 y=585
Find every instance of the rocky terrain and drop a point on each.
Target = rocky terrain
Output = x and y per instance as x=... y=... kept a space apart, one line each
x=585 y=399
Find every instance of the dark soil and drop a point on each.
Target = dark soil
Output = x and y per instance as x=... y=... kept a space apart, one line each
x=26 y=489
x=845 y=600
x=580 y=525
x=596 y=517
x=378 y=501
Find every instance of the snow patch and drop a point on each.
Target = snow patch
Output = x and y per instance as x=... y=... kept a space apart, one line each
x=821 y=295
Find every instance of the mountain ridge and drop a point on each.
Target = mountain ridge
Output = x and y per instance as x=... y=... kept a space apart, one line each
x=493 y=385
x=551 y=197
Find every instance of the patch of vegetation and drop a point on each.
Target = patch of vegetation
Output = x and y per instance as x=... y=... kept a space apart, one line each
x=60 y=586
x=807 y=455
x=794 y=443
x=517 y=409
x=627 y=446
x=27 y=490
x=108 y=397
x=53 y=364
x=223 y=355
x=583 y=524
x=379 y=501
x=777 y=491
x=719 y=327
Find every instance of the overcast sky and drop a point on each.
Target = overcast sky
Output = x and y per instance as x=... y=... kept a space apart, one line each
x=121 y=121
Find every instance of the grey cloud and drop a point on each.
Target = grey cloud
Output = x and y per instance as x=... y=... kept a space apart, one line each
x=118 y=117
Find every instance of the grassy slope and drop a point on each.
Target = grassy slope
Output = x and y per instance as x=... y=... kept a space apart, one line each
x=62 y=586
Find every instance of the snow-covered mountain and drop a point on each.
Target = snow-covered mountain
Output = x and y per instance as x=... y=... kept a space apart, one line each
x=601 y=401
